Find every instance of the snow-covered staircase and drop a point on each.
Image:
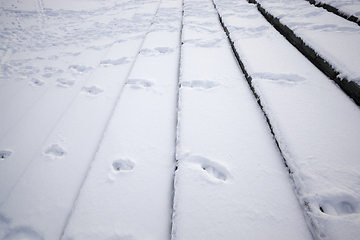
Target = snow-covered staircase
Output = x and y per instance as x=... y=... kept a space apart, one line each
x=178 y=119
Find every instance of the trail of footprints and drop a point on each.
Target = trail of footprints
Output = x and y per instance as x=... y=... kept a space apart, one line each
x=49 y=72
x=215 y=170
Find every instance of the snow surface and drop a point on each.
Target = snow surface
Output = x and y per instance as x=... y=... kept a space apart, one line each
x=295 y=95
x=128 y=191
x=335 y=39
x=57 y=136
x=227 y=160
x=349 y=7
x=130 y=119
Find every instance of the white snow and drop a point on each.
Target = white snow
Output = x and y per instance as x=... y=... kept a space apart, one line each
x=231 y=182
x=322 y=152
x=131 y=119
x=50 y=149
x=349 y=7
x=335 y=39
x=128 y=191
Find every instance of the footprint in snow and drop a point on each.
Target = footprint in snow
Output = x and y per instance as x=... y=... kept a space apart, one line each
x=251 y=32
x=80 y=68
x=123 y=164
x=163 y=50
x=47 y=75
x=324 y=27
x=213 y=169
x=52 y=57
x=4 y=154
x=139 y=83
x=200 y=84
x=156 y=51
x=339 y=205
x=119 y=61
x=64 y=82
x=209 y=44
x=93 y=90
x=55 y=150
x=36 y=82
x=251 y=16
x=22 y=233
x=280 y=77
x=48 y=68
x=312 y=14
x=52 y=70
x=18 y=63
x=147 y=51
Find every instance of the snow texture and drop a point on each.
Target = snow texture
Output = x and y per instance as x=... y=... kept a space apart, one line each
x=333 y=38
x=128 y=191
x=321 y=153
x=131 y=119
x=227 y=160
x=349 y=7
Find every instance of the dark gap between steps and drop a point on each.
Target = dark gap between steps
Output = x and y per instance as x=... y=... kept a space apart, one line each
x=177 y=125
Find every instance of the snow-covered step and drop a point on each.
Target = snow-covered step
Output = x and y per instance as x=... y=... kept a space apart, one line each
x=129 y=189
x=230 y=181
x=33 y=77
x=59 y=90
x=40 y=201
x=45 y=54
x=330 y=42
x=24 y=135
x=316 y=126
x=349 y=9
x=42 y=57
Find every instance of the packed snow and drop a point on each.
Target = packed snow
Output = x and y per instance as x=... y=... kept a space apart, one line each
x=134 y=119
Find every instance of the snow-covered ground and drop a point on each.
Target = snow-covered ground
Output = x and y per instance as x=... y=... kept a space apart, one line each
x=332 y=37
x=131 y=119
x=294 y=95
x=128 y=191
x=228 y=163
x=348 y=7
